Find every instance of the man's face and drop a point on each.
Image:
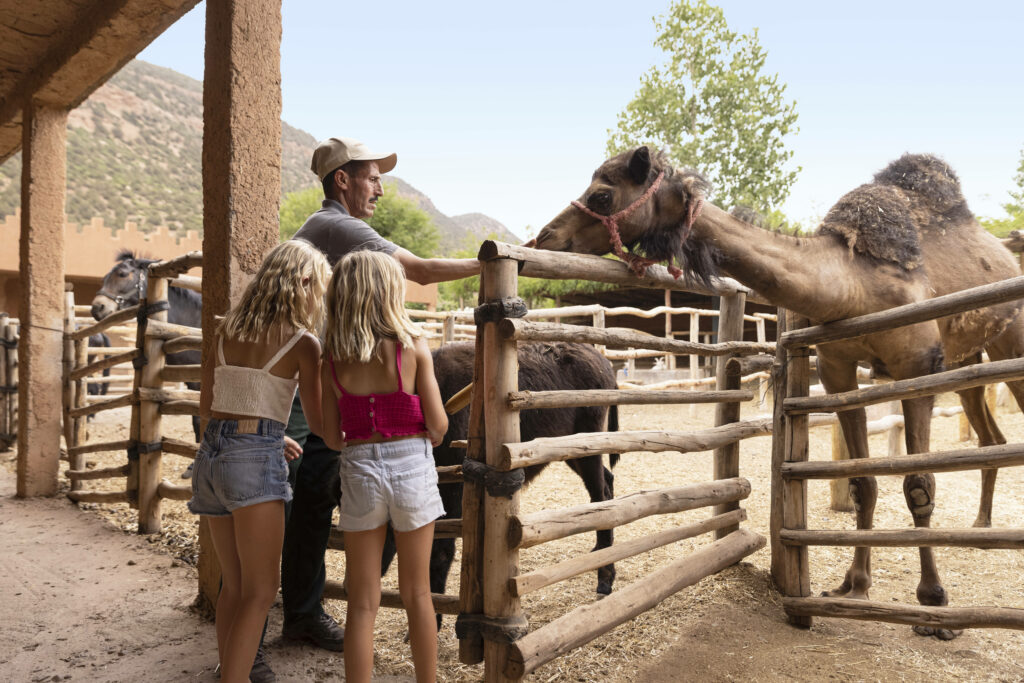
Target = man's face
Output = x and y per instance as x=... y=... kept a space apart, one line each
x=360 y=191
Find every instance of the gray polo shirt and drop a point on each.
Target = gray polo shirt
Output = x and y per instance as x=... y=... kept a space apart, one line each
x=332 y=230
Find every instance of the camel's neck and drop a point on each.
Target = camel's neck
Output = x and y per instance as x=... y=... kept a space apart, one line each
x=798 y=273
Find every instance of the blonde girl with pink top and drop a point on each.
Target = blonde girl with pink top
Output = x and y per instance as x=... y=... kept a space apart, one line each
x=382 y=409
x=266 y=348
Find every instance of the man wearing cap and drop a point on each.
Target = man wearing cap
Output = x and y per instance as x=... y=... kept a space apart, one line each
x=351 y=177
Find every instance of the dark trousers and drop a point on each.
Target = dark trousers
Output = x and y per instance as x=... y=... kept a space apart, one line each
x=314 y=479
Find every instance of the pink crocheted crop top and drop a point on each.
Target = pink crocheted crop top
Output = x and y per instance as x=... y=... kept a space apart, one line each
x=394 y=414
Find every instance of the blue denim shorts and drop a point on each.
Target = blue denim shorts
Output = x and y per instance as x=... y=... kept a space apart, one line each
x=390 y=480
x=235 y=469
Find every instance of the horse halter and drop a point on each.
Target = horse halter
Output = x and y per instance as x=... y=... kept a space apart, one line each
x=120 y=299
x=639 y=264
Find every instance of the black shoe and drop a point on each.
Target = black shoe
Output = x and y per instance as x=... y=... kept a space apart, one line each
x=261 y=671
x=320 y=630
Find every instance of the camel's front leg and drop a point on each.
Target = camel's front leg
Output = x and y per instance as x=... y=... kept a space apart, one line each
x=919 y=491
x=864 y=492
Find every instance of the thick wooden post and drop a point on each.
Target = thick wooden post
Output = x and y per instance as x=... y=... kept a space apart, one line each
x=727 y=458
x=471 y=585
x=41 y=309
x=501 y=376
x=150 y=453
x=789 y=444
x=81 y=394
x=448 y=329
x=670 y=359
x=694 y=358
x=598 y=321
x=241 y=171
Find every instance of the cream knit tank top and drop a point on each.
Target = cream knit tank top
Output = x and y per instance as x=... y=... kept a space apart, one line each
x=254 y=392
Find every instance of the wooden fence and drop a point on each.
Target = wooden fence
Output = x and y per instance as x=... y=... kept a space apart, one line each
x=791 y=468
x=8 y=380
x=144 y=485
x=492 y=626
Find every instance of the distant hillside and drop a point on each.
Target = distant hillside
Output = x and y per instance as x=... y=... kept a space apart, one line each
x=135 y=153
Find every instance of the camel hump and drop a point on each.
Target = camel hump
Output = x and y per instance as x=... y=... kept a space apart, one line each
x=930 y=183
x=876 y=220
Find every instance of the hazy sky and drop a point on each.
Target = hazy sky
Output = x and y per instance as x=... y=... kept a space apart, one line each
x=504 y=108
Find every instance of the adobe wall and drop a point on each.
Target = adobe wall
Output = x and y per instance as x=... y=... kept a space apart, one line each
x=90 y=249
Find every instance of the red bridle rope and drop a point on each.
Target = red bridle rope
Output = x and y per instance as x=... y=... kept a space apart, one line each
x=638 y=264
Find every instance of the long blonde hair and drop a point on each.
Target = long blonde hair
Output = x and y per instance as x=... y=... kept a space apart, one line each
x=366 y=304
x=277 y=294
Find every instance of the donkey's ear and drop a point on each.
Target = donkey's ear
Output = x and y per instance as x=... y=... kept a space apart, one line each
x=640 y=165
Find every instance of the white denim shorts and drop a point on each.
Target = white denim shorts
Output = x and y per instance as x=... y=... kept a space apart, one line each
x=390 y=480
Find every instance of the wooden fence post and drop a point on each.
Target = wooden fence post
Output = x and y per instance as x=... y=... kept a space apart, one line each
x=694 y=359
x=501 y=369
x=727 y=458
x=598 y=320
x=448 y=330
x=789 y=564
x=148 y=444
x=12 y=333
x=670 y=359
x=67 y=365
x=5 y=388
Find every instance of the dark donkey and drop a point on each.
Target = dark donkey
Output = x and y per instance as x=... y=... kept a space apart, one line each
x=125 y=284
x=542 y=367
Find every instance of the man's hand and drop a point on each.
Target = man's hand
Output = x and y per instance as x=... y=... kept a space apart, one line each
x=292 y=449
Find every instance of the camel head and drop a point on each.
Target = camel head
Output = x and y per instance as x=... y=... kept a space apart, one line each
x=655 y=228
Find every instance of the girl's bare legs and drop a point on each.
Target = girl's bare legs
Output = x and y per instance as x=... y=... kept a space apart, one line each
x=414 y=587
x=222 y=532
x=258 y=533
x=363 y=551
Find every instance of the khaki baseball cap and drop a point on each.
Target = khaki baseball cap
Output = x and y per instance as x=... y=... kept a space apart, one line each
x=335 y=152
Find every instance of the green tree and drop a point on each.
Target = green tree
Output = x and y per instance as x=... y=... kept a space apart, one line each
x=1001 y=227
x=395 y=218
x=711 y=107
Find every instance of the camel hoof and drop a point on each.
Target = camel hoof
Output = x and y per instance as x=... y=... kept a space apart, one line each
x=604 y=589
x=948 y=634
x=924 y=630
x=980 y=523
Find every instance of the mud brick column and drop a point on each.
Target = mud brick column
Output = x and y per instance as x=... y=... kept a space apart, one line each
x=241 y=169
x=41 y=309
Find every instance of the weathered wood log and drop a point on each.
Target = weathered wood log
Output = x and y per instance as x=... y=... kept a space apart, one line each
x=585 y=623
x=526 y=330
x=101 y=365
x=168 y=491
x=108 y=350
x=105 y=404
x=100 y=447
x=748 y=365
x=150 y=409
x=471 y=590
x=115 y=318
x=930 y=309
x=159 y=329
x=791 y=376
x=910 y=615
x=449 y=474
x=985 y=457
x=101 y=473
x=907 y=538
x=176 y=266
x=552 y=449
x=187 y=343
x=459 y=400
x=105 y=497
x=443 y=604
x=526 y=400
x=188 y=282
x=726 y=458
x=553 y=265
x=545 y=576
x=540 y=527
x=167 y=395
x=179 y=408
x=187 y=449
x=950 y=380
x=181 y=373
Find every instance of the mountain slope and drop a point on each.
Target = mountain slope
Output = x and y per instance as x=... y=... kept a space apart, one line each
x=135 y=153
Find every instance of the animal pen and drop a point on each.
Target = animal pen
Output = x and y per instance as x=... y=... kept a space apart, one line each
x=791 y=468
x=491 y=625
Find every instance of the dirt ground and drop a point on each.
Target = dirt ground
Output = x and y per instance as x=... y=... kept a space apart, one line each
x=88 y=599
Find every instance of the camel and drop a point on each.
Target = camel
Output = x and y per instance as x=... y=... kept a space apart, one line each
x=906 y=237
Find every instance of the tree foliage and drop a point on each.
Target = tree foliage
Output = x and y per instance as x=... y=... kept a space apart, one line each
x=395 y=218
x=709 y=106
x=1001 y=227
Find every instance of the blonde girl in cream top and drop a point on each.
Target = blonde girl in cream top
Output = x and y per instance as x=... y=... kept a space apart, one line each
x=264 y=350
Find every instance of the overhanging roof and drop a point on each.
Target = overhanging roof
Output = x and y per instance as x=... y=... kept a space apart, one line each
x=59 y=51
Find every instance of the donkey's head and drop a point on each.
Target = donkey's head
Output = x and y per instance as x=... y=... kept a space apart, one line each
x=122 y=286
